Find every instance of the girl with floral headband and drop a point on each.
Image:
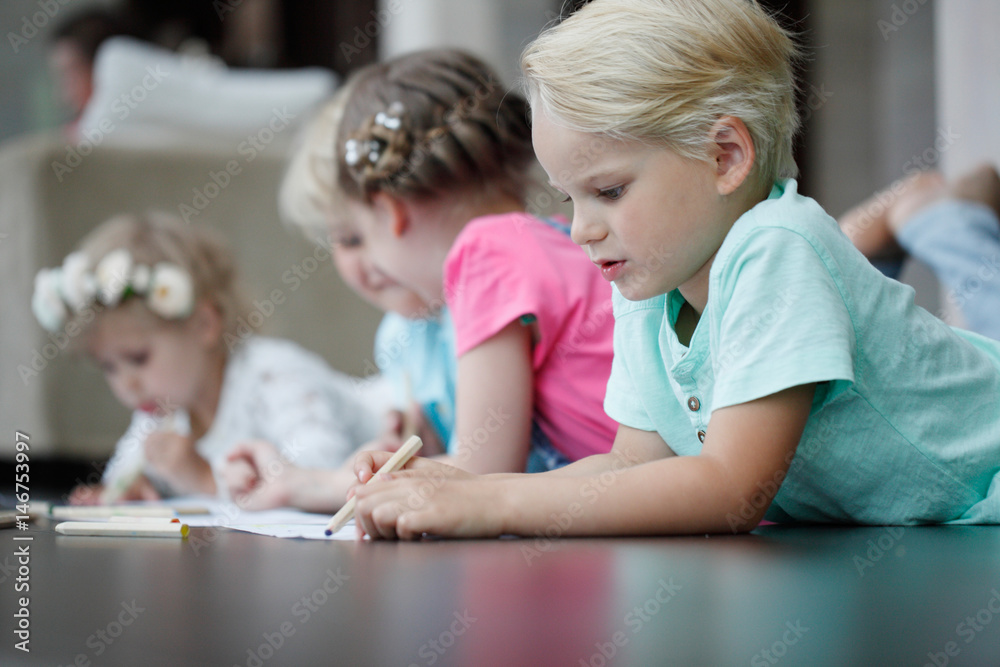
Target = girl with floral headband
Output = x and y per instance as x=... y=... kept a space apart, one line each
x=432 y=162
x=151 y=299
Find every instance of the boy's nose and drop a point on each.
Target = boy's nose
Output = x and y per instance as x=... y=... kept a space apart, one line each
x=585 y=230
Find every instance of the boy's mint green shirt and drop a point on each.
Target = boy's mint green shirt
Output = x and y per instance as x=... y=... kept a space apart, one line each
x=905 y=423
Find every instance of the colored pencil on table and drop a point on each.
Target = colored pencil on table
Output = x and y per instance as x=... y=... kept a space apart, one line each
x=106 y=511
x=123 y=529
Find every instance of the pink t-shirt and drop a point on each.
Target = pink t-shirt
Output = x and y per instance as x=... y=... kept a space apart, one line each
x=504 y=267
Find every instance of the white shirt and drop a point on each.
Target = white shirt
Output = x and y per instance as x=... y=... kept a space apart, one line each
x=276 y=391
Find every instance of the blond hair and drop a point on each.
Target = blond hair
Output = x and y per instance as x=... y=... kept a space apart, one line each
x=429 y=124
x=664 y=71
x=309 y=194
x=154 y=237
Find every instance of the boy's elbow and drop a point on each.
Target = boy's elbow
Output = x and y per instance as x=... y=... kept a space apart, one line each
x=744 y=516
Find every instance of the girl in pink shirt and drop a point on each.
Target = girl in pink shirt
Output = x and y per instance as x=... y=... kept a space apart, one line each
x=433 y=156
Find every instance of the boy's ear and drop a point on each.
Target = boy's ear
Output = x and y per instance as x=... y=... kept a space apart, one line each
x=733 y=152
x=393 y=211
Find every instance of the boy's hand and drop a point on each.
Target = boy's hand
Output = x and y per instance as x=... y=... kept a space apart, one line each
x=175 y=458
x=409 y=507
x=418 y=481
x=368 y=462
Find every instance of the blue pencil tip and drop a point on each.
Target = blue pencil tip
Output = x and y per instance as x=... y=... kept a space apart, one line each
x=328 y=532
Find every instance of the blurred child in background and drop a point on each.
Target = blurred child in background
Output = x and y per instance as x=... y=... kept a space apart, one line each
x=151 y=299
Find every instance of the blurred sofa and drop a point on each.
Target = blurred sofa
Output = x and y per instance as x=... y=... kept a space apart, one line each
x=61 y=400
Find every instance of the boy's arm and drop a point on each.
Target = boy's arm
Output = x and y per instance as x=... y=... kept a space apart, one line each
x=631 y=447
x=747 y=451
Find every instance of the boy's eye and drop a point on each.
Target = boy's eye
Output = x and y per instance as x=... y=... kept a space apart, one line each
x=613 y=193
x=349 y=241
x=565 y=199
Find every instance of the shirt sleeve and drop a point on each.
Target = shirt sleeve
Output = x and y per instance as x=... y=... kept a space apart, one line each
x=632 y=335
x=496 y=273
x=780 y=319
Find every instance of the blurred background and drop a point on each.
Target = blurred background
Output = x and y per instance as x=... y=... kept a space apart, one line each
x=888 y=86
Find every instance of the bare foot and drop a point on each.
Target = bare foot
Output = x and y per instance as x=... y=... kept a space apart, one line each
x=917 y=193
x=981 y=184
x=868 y=224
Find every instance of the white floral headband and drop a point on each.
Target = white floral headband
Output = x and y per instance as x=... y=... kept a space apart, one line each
x=65 y=290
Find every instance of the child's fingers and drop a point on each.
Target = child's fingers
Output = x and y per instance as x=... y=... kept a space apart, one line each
x=147 y=492
x=263 y=498
x=242 y=450
x=393 y=424
x=377 y=517
x=253 y=449
x=86 y=494
x=413 y=525
x=381 y=506
x=407 y=509
x=239 y=476
x=141 y=489
x=368 y=462
x=383 y=443
x=429 y=469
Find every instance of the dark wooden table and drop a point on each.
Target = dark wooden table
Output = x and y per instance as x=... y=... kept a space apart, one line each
x=783 y=595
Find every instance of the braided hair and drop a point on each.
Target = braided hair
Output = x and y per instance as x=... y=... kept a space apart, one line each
x=430 y=123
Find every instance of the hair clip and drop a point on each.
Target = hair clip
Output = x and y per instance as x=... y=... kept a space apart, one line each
x=70 y=288
x=353 y=150
x=391 y=118
x=371 y=149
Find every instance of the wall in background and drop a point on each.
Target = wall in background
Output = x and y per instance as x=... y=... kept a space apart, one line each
x=968 y=88
x=871 y=96
x=495 y=31
x=870 y=105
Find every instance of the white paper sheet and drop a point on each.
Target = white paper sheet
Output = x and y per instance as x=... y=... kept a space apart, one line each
x=284 y=523
x=300 y=531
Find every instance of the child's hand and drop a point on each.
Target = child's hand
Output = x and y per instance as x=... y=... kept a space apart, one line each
x=394 y=434
x=258 y=477
x=86 y=494
x=239 y=476
x=409 y=506
x=140 y=489
x=175 y=458
x=369 y=462
x=385 y=442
